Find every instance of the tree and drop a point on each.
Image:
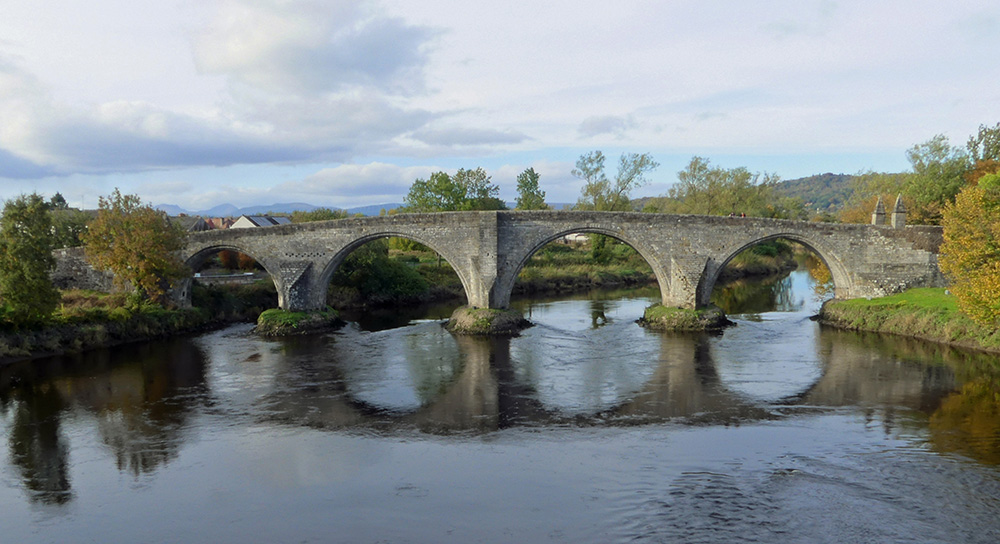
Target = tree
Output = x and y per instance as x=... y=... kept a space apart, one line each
x=985 y=145
x=137 y=243
x=478 y=190
x=938 y=175
x=27 y=295
x=58 y=202
x=529 y=195
x=466 y=190
x=710 y=190
x=67 y=226
x=970 y=254
x=601 y=194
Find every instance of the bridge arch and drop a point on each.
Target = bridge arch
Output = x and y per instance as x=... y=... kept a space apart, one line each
x=200 y=256
x=506 y=280
x=338 y=259
x=841 y=278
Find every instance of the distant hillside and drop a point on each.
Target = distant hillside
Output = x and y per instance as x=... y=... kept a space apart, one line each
x=374 y=209
x=228 y=210
x=822 y=192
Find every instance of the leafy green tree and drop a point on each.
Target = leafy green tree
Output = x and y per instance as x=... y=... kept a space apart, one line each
x=58 y=202
x=480 y=193
x=137 y=243
x=939 y=171
x=67 y=226
x=27 y=296
x=970 y=254
x=710 y=190
x=529 y=195
x=938 y=175
x=985 y=145
x=601 y=194
x=375 y=276
x=466 y=190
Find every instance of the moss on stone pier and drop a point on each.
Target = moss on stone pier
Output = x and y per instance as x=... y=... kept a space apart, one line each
x=665 y=318
x=278 y=322
x=487 y=321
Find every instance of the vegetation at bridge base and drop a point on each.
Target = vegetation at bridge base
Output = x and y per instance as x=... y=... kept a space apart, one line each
x=278 y=322
x=665 y=318
x=487 y=321
x=89 y=319
x=927 y=313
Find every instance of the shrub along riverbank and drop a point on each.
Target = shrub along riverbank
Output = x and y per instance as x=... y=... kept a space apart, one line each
x=925 y=313
x=88 y=319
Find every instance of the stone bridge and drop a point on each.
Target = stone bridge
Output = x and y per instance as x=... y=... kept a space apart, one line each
x=488 y=249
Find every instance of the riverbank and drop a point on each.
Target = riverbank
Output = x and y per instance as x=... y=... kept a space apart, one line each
x=89 y=320
x=925 y=313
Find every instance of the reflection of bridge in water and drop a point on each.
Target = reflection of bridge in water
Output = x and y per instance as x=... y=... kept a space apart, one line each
x=487 y=392
x=140 y=403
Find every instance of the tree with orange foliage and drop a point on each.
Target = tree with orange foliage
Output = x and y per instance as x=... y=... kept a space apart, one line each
x=227 y=259
x=970 y=255
x=245 y=261
x=137 y=243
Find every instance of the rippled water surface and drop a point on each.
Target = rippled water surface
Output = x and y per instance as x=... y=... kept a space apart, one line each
x=586 y=428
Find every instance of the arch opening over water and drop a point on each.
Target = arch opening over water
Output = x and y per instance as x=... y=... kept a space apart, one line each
x=838 y=275
x=571 y=258
x=386 y=268
x=226 y=264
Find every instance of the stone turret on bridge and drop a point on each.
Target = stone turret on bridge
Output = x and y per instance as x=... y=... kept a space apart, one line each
x=487 y=250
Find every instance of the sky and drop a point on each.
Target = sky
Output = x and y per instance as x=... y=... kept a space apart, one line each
x=345 y=103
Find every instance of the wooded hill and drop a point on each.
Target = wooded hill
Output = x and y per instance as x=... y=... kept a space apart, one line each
x=822 y=192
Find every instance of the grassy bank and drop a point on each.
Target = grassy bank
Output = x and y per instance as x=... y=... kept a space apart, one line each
x=925 y=313
x=89 y=319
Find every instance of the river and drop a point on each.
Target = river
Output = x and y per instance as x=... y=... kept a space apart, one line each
x=586 y=428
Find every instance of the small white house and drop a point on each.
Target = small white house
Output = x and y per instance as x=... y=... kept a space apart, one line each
x=253 y=221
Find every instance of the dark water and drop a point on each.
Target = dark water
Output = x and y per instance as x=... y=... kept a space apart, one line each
x=587 y=428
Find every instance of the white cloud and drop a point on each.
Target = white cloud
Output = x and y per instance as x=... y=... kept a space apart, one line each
x=102 y=92
x=311 y=47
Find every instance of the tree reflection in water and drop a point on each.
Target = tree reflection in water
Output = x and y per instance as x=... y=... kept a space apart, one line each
x=139 y=404
x=37 y=446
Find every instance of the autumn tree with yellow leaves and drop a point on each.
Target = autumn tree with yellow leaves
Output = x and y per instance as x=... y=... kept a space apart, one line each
x=137 y=243
x=970 y=255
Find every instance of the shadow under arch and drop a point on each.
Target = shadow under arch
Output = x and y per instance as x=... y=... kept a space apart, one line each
x=842 y=283
x=338 y=259
x=505 y=283
x=200 y=257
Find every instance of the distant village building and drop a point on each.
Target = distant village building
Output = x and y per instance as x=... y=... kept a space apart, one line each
x=191 y=223
x=219 y=223
x=253 y=221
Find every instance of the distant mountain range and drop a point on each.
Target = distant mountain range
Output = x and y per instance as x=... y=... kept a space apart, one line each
x=228 y=210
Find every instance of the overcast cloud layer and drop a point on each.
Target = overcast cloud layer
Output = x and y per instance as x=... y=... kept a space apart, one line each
x=346 y=103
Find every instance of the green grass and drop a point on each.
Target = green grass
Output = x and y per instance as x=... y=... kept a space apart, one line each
x=932 y=298
x=926 y=313
x=659 y=317
x=278 y=322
